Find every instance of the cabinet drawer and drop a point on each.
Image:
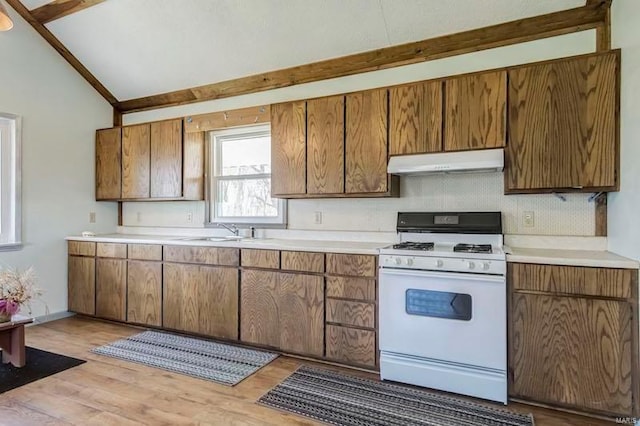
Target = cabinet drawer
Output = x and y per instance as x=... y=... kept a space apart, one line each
x=268 y=259
x=351 y=288
x=351 y=264
x=145 y=251
x=351 y=345
x=207 y=255
x=351 y=313
x=81 y=248
x=302 y=261
x=111 y=250
x=579 y=280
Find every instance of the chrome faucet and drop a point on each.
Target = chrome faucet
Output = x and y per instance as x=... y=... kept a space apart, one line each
x=231 y=228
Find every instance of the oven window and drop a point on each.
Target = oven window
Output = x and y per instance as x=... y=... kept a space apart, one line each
x=438 y=304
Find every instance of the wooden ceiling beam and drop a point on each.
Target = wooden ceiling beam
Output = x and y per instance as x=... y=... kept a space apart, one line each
x=553 y=24
x=57 y=45
x=59 y=8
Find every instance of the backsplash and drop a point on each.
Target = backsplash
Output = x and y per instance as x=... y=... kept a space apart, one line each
x=452 y=192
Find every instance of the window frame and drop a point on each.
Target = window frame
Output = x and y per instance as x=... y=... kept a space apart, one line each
x=11 y=184
x=214 y=161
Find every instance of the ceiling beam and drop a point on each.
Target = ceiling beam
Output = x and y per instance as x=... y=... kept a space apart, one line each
x=57 y=45
x=59 y=8
x=553 y=24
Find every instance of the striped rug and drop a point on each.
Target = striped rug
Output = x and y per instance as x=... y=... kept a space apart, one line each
x=218 y=362
x=341 y=399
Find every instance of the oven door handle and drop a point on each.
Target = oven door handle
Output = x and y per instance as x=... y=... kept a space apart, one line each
x=445 y=275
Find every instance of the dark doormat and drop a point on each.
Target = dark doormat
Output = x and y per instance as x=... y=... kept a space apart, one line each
x=39 y=364
x=341 y=399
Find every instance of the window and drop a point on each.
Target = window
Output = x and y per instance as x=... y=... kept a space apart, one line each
x=240 y=184
x=9 y=182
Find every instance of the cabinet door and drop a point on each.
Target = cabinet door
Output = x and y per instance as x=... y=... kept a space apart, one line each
x=366 y=143
x=166 y=159
x=288 y=149
x=415 y=123
x=562 y=125
x=111 y=289
x=218 y=302
x=180 y=297
x=259 y=308
x=572 y=351
x=301 y=313
x=108 y=164
x=144 y=292
x=325 y=145
x=82 y=285
x=476 y=111
x=136 y=147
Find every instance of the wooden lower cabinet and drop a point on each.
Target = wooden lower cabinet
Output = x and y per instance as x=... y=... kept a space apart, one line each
x=82 y=285
x=259 y=308
x=573 y=350
x=351 y=345
x=111 y=289
x=201 y=299
x=144 y=292
x=282 y=310
x=301 y=313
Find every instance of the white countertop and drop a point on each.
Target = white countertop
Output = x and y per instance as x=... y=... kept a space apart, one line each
x=348 y=247
x=593 y=258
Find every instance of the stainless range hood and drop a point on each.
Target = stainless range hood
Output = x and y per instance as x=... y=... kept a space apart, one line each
x=485 y=160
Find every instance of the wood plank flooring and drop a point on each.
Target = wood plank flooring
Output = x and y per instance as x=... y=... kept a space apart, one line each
x=106 y=391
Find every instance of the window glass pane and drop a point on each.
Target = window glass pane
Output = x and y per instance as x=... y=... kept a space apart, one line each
x=246 y=198
x=245 y=156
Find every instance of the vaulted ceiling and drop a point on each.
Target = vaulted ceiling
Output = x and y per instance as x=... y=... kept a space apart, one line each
x=138 y=48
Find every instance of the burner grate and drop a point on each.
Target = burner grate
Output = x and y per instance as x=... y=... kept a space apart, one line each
x=414 y=246
x=473 y=248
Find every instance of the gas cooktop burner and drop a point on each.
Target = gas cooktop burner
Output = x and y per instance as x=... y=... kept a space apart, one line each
x=473 y=248
x=414 y=246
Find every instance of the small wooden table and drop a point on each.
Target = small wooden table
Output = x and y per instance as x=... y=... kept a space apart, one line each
x=12 y=340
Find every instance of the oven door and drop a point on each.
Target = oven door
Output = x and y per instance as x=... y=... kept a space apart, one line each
x=453 y=317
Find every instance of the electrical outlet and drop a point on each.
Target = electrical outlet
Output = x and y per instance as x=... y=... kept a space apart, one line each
x=139 y=217
x=318 y=218
x=190 y=217
x=528 y=219
x=92 y=217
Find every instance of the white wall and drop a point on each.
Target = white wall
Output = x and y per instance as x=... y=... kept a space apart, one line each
x=60 y=113
x=624 y=228
x=552 y=216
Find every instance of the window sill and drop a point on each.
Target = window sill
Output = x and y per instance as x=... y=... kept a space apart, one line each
x=11 y=246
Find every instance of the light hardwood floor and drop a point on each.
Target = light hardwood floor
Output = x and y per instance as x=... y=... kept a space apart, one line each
x=106 y=391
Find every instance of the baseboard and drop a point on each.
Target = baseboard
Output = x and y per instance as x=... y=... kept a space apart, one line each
x=52 y=317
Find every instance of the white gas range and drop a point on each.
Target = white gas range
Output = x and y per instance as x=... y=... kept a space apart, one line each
x=442 y=304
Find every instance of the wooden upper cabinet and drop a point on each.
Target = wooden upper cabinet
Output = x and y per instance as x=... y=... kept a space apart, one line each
x=166 y=159
x=325 y=145
x=366 y=144
x=475 y=111
x=108 y=164
x=136 y=165
x=562 y=125
x=415 y=118
x=288 y=149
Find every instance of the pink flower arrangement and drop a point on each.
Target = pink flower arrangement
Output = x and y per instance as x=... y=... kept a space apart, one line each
x=17 y=289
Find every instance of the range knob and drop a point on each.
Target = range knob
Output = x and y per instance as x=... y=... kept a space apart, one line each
x=397 y=261
x=408 y=262
x=485 y=266
x=471 y=265
x=439 y=263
